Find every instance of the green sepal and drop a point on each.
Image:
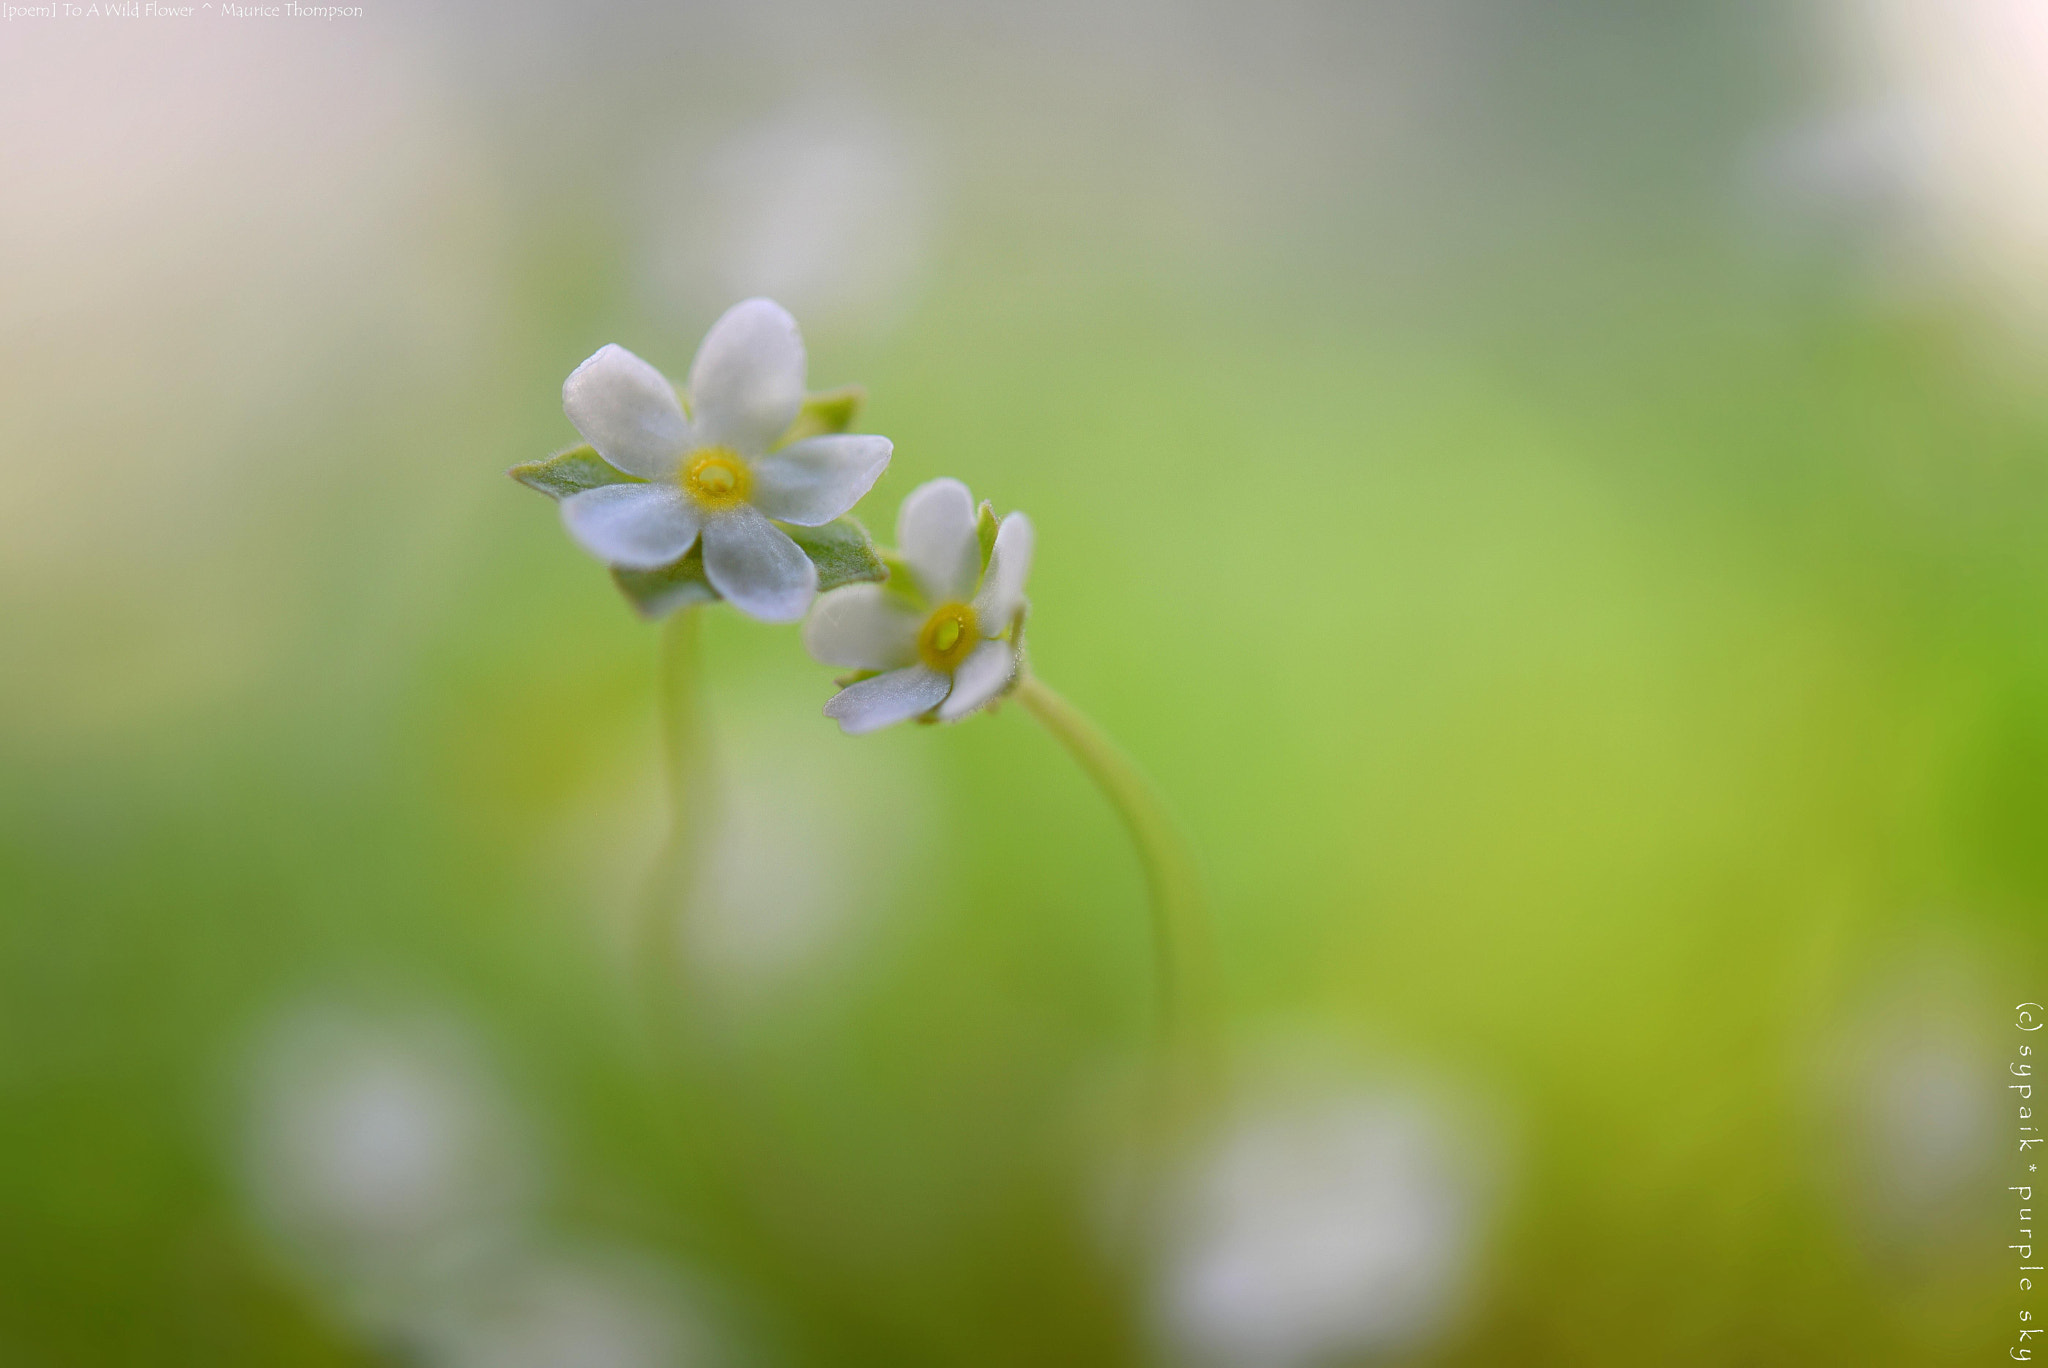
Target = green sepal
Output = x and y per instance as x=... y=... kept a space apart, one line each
x=900 y=581
x=827 y=412
x=655 y=594
x=570 y=472
x=985 y=530
x=842 y=551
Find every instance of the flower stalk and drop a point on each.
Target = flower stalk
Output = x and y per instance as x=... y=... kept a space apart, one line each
x=943 y=639
x=1184 y=950
x=686 y=775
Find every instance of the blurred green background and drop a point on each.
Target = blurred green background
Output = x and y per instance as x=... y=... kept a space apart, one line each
x=1553 y=493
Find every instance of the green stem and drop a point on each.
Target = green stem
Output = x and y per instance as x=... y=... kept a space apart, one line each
x=1182 y=938
x=737 y=1172
x=686 y=768
x=719 y=1157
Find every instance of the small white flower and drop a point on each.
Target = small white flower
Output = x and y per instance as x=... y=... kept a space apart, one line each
x=712 y=471
x=945 y=639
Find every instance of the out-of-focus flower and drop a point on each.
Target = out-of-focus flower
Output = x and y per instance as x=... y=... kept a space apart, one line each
x=943 y=633
x=744 y=218
x=800 y=858
x=376 y=1144
x=1911 y=1086
x=1319 y=1229
x=1956 y=94
x=715 y=470
x=1853 y=184
x=400 y=1183
x=1932 y=1123
x=558 y=1310
x=804 y=859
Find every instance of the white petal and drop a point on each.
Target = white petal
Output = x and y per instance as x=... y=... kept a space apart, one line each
x=757 y=567
x=1002 y=585
x=862 y=627
x=935 y=533
x=747 y=382
x=813 y=481
x=894 y=697
x=628 y=411
x=633 y=526
x=980 y=677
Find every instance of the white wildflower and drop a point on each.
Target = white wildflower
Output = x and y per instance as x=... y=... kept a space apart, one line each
x=713 y=469
x=944 y=636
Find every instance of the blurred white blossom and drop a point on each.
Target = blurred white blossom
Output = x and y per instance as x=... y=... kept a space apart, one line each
x=808 y=844
x=1854 y=184
x=384 y=1158
x=376 y=1145
x=1913 y=1090
x=586 y=1309
x=1932 y=1119
x=1945 y=122
x=828 y=208
x=802 y=856
x=1318 y=1227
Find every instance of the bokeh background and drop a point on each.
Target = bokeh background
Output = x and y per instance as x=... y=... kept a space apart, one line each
x=1553 y=492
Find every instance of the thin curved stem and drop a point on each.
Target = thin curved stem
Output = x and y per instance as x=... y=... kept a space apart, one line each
x=1182 y=938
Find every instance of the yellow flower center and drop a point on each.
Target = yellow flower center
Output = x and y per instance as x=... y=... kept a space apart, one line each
x=717 y=478
x=948 y=637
